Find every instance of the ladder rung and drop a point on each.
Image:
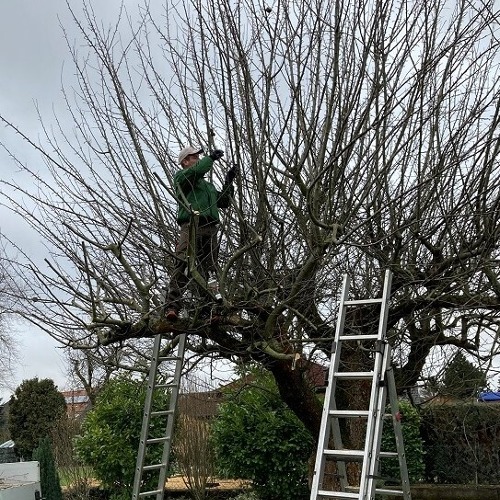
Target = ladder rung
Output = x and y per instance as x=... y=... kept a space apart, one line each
x=355 y=455
x=362 y=301
x=354 y=375
x=161 y=413
x=345 y=455
x=153 y=467
x=379 y=491
x=349 y=413
x=149 y=493
x=169 y=358
x=353 y=414
x=338 y=494
x=157 y=440
x=166 y=386
x=372 y=336
x=385 y=491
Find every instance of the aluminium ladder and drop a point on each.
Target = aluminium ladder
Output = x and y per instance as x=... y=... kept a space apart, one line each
x=383 y=387
x=148 y=469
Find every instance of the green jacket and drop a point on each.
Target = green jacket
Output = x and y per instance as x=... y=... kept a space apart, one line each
x=194 y=193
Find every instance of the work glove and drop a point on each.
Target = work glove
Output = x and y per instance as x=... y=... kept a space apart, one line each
x=217 y=154
x=231 y=174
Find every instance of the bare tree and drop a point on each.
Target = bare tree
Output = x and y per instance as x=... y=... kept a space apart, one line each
x=8 y=348
x=193 y=445
x=367 y=138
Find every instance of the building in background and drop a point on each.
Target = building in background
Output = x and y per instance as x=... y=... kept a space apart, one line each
x=77 y=402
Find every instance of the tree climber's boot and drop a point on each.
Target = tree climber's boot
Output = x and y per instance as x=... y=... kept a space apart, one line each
x=171 y=314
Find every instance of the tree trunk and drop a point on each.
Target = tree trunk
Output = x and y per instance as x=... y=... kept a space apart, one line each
x=298 y=393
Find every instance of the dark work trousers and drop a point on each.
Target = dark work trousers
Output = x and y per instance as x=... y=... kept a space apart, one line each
x=207 y=250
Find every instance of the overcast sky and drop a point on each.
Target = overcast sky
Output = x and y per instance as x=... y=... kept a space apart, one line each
x=34 y=60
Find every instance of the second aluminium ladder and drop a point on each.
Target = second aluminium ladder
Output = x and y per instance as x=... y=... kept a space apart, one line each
x=383 y=387
x=151 y=470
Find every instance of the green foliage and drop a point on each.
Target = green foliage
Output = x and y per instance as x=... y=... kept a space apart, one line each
x=49 y=479
x=410 y=426
x=462 y=443
x=110 y=433
x=257 y=437
x=34 y=409
x=247 y=495
x=462 y=378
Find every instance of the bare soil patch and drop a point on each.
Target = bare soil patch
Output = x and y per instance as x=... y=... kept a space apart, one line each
x=178 y=484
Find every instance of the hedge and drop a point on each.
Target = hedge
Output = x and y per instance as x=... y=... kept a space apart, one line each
x=462 y=443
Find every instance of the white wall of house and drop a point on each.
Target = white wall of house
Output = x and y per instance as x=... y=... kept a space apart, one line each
x=19 y=481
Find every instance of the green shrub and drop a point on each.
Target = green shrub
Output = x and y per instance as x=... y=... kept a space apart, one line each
x=257 y=437
x=110 y=434
x=247 y=495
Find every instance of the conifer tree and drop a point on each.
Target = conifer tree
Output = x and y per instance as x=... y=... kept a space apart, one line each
x=49 y=478
x=34 y=409
x=462 y=378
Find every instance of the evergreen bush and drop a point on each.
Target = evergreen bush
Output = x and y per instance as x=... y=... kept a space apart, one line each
x=257 y=437
x=110 y=434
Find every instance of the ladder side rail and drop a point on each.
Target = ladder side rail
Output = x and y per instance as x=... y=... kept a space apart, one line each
x=336 y=436
x=377 y=397
x=329 y=401
x=371 y=424
x=389 y=392
x=146 y=418
x=376 y=438
x=398 y=433
x=174 y=395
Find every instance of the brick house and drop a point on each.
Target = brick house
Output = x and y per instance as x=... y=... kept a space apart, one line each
x=77 y=402
x=204 y=405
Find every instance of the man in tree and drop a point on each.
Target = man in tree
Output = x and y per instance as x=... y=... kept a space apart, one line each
x=198 y=211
